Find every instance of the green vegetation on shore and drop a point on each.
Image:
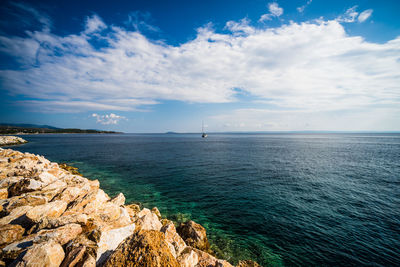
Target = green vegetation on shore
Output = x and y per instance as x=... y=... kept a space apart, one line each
x=32 y=129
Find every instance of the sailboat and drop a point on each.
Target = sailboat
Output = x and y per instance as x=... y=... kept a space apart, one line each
x=203 y=135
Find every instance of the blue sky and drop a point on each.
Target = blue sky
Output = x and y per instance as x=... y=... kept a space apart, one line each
x=157 y=66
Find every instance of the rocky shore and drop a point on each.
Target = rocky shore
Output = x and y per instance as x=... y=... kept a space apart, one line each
x=52 y=217
x=11 y=140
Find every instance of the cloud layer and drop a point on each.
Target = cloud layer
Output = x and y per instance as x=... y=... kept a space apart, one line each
x=108 y=118
x=311 y=67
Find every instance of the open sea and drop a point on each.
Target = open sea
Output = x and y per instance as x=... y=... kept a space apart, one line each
x=279 y=199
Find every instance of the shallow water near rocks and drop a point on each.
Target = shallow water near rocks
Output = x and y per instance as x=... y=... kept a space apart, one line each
x=279 y=199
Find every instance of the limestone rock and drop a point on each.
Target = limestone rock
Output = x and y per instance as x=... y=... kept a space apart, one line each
x=10 y=233
x=60 y=235
x=194 y=235
x=172 y=237
x=6 y=140
x=143 y=248
x=16 y=216
x=188 y=258
x=47 y=254
x=206 y=260
x=24 y=200
x=119 y=199
x=74 y=256
x=149 y=221
x=50 y=210
x=156 y=212
x=110 y=239
x=248 y=263
x=23 y=186
x=133 y=210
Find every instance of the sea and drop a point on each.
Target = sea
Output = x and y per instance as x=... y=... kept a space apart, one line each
x=281 y=199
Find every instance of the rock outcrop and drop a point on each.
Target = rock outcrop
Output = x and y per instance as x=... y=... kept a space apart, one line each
x=6 y=140
x=50 y=216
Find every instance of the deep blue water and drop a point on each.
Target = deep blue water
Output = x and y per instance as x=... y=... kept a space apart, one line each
x=279 y=199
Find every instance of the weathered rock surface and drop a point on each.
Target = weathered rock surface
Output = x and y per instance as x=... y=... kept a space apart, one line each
x=49 y=254
x=194 y=235
x=6 y=140
x=50 y=216
x=9 y=233
x=143 y=248
x=248 y=263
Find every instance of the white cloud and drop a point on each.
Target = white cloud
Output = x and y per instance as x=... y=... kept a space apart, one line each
x=301 y=8
x=274 y=11
x=365 y=15
x=108 y=118
x=312 y=67
x=94 y=24
x=349 y=16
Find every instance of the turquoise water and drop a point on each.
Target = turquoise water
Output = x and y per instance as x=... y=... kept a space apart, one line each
x=279 y=199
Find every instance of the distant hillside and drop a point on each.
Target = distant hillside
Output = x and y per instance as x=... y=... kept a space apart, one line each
x=27 y=125
x=12 y=128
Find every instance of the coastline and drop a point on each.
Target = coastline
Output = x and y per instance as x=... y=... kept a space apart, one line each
x=47 y=209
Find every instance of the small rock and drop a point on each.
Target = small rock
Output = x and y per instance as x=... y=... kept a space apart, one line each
x=194 y=235
x=188 y=258
x=119 y=199
x=23 y=186
x=149 y=221
x=172 y=237
x=10 y=233
x=156 y=212
x=74 y=256
x=248 y=263
x=49 y=254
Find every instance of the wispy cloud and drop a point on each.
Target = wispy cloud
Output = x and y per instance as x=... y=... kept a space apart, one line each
x=274 y=11
x=351 y=15
x=301 y=8
x=365 y=15
x=107 y=118
x=310 y=66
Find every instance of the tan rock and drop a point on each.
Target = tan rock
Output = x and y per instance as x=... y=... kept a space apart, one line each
x=71 y=193
x=49 y=254
x=24 y=200
x=248 y=263
x=172 y=237
x=10 y=233
x=60 y=235
x=110 y=239
x=90 y=261
x=143 y=248
x=194 y=235
x=206 y=260
x=188 y=258
x=16 y=216
x=107 y=212
x=3 y=193
x=74 y=256
x=119 y=199
x=47 y=178
x=23 y=186
x=133 y=210
x=149 y=221
x=156 y=212
x=50 y=210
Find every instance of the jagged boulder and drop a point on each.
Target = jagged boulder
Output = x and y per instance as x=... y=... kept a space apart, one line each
x=143 y=248
x=175 y=242
x=49 y=254
x=194 y=235
x=188 y=258
x=149 y=221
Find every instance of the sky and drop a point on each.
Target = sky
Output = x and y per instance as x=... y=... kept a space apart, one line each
x=158 y=66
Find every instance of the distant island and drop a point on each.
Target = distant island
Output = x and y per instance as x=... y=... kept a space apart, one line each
x=40 y=129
